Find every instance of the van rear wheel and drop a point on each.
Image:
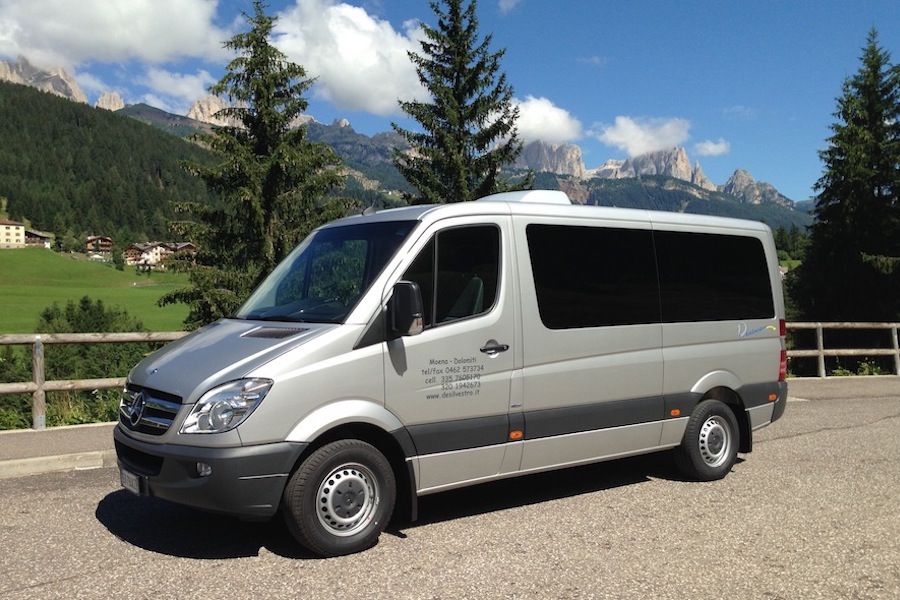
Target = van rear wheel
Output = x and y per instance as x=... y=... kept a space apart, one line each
x=340 y=498
x=709 y=447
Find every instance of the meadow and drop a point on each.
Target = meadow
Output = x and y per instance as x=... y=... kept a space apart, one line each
x=32 y=279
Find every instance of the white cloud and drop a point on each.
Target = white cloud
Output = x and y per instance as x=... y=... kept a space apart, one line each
x=91 y=84
x=507 y=5
x=54 y=33
x=711 y=148
x=179 y=88
x=539 y=119
x=157 y=101
x=360 y=62
x=130 y=36
x=640 y=136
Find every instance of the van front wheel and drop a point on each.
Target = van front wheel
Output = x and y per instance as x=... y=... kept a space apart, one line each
x=340 y=498
x=709 y=447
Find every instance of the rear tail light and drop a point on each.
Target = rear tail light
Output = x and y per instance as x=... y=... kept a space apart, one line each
x=782 y=365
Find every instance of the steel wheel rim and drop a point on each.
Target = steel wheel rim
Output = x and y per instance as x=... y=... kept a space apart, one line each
x=715 y=441
x=347 y=499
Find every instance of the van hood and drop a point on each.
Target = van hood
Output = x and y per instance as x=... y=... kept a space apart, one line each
x=222 y=351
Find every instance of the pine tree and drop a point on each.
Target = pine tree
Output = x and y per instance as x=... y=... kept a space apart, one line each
x=850 y=271
x=271 y=181
x=469 y=127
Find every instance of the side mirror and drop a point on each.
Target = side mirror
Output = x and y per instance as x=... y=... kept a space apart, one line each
x=405 y=309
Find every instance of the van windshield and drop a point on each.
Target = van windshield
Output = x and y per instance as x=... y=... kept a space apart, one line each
x=321 y=280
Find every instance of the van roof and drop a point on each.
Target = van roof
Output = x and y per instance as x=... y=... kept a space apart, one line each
x=547 y=203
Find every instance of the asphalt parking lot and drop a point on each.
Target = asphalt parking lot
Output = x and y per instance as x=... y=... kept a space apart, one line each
x=812 y=512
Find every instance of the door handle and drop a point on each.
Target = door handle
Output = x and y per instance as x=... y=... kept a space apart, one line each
x=492 y=348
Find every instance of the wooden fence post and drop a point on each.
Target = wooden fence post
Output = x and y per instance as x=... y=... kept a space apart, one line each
x=38 y=397
x=896 y=349
x=820 y=344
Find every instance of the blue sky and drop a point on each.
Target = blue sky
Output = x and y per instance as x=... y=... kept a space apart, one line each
x=748 y=84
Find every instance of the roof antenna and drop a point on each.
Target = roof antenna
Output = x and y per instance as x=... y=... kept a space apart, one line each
x=369 y=210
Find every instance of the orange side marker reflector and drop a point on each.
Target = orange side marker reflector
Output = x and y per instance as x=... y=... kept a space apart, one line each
x=675 y=412
x=773 y=397
x=516 y=434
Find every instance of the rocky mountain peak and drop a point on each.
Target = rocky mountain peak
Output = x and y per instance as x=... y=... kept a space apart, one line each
x=743 y=186
x=56 y=81
x=110 y=101
x=740 y=181
x=205 y=110
x=609 y=170
x=699 y=178
x=562 y=159
x=672 y=162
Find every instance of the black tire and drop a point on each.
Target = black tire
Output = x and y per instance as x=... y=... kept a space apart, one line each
x=340 y=498
x=709 y=447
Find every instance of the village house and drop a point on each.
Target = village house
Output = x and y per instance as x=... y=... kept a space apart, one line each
x=15 y=235
x=33 y=238
x=101 y=244
x=150 y=255
x=12 y=234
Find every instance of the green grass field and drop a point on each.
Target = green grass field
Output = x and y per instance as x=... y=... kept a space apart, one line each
x=31 y=279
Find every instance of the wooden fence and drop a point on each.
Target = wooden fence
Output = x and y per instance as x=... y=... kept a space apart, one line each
x=820 y=352
x=38 y=387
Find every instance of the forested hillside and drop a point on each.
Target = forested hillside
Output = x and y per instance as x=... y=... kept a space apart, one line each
x=65 y=166
x=663 y=193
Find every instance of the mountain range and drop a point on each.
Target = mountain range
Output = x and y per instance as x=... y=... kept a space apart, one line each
x=369 y=158
x=560 y=159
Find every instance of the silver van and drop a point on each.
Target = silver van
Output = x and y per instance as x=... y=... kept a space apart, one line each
x=419 y=349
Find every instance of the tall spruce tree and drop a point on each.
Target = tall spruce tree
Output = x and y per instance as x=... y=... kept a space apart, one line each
x=851 y=271
x=469 y=127
x=271 y=181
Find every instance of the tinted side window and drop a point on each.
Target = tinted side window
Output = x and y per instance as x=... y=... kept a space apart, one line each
x=707 y=277
x=458 y=271
x=593 y=276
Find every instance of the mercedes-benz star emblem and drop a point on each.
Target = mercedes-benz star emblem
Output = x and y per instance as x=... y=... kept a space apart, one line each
x=136 y=410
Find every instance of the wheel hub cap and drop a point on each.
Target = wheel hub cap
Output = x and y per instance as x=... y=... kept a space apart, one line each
x=714 y=442
x=347 y=500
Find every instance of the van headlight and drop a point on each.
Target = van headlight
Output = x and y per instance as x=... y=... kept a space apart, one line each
x=225 y=407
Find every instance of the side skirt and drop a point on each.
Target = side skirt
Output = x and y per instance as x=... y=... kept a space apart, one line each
x=552 y=453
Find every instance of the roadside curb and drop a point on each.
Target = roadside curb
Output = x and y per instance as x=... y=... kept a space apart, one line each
x=25 y=452
x=78 y=461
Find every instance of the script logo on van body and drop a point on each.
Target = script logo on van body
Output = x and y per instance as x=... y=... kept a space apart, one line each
x=744 y=331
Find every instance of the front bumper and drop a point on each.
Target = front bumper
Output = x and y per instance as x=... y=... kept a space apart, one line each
x=244 y=481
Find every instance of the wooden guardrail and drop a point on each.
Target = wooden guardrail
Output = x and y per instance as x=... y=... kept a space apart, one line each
x=38 y=387
x=820 y=352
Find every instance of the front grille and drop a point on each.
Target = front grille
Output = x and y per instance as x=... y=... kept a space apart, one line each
x=147 y=411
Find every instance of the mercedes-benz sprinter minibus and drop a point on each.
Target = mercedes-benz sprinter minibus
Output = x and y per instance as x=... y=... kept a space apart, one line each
x=420 y=349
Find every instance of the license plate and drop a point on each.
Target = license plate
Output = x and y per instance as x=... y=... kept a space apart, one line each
x=130 y=481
